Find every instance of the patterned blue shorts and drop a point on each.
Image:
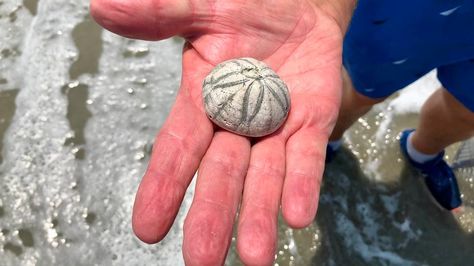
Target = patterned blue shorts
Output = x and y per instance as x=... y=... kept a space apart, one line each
x=391 y=44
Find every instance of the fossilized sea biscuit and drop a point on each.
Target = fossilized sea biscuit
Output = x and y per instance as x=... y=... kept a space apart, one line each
x=246 y=97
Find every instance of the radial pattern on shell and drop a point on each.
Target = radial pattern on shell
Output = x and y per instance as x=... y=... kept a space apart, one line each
x=246 y=97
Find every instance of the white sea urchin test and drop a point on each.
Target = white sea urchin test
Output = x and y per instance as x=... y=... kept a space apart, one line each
x=246 y=97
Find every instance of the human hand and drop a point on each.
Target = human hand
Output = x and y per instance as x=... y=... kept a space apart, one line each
x=302 y=41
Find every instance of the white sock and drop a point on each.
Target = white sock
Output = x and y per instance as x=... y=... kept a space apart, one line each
x=335 y=144
x=415 y=155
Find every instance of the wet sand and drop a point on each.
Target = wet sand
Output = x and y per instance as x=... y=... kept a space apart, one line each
x=7 y=109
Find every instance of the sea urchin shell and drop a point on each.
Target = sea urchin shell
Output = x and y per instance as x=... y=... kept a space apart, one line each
x=246 y=97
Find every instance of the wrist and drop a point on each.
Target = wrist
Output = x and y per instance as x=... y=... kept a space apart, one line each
x=340 y=10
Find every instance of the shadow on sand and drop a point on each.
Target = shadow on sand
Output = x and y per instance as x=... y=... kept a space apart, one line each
x=365 y=222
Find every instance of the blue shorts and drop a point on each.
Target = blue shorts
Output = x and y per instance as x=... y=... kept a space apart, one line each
x=391 y=44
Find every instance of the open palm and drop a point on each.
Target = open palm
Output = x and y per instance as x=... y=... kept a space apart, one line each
x=303 y=45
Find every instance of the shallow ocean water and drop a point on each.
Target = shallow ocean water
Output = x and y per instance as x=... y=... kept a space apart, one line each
x=79 y=108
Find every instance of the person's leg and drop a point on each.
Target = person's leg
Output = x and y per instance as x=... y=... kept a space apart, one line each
x=443 y=121
x=353 y=106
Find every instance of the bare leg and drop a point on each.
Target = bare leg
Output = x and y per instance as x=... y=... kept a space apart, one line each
x=443 y=121
x=353 y=106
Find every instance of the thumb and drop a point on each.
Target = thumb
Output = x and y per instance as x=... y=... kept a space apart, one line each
x=145 y=19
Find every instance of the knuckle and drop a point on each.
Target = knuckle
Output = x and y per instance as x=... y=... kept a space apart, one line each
x=226 y=164
x=267 y=169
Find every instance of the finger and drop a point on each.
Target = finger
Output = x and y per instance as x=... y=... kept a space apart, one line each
x=305 y=153
x=208 y=226
x=258 y=218
x=177 y=151
x=145 y=19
